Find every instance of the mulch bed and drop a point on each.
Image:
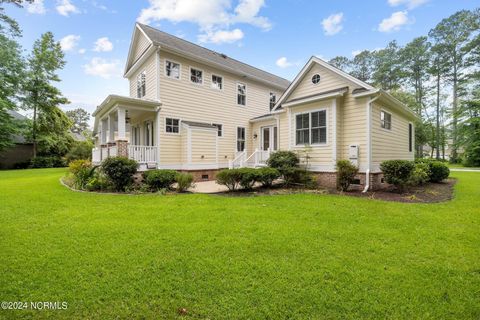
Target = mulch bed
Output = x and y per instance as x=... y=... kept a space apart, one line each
x=428 y=193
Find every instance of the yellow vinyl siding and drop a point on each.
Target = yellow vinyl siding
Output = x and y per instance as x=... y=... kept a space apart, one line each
x=150 y=76
x=389 y=144
x=139 y=47
x=353 y=128
x=188 y=101
x=203 y=143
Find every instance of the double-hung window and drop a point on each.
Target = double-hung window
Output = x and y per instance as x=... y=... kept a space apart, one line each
x=302 y=130
x=240 y=139
x=141 y=85
x=196 y=76
x=241 y=94
x=273 y=100
x=217 y=82
x=219 y=129
x=172 y=69
x=311 y=128
x=386 y=120
x=319 y=127
x=172 y=125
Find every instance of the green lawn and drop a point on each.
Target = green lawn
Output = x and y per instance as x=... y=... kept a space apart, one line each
x=267 y=257
x=460 y=166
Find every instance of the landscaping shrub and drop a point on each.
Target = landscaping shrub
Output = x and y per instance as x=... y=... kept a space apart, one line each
x=346 y=172
x=283 y=159
x=159 y=179
x=397 y=172
x=248 y=177
x=438 y=171
x=420 y=174
x=267 y=175
x=229 y=178
x=298 y=176
x=82 y=172
x=98 y=182
x=119 y=171
x=47 y=162
x=184 y=181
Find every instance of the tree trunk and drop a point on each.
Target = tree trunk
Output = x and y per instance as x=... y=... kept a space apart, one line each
x=438 y=116
x=34 y=131
x=454 y=115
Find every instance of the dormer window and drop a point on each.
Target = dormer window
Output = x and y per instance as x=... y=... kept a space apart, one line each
x=273 y=100
x=196 y=76
x=141 y=85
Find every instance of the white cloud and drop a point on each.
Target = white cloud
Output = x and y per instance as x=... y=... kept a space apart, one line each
x=103 y=45
x=36 y=7
x=212 y=16
x=82 y=51
x=411 y=4
x=333 y=24
x=65 y=8
x=221 y=36
x=283 y=62
x=102 y=68
x=69 y=42
x=394 y=22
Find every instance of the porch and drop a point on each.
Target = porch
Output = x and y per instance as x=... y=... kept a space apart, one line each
x=127 y=127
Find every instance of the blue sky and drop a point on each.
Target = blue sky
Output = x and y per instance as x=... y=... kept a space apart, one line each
x=277 y=36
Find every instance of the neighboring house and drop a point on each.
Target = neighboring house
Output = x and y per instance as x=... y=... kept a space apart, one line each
x=193 y=109
x=21 y=152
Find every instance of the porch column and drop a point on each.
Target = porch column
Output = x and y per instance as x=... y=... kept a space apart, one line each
x=103 y=134
x=122 y=144
x=111 y=128
x=157 y=136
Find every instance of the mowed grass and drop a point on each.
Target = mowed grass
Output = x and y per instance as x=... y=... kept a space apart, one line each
x=267 y=257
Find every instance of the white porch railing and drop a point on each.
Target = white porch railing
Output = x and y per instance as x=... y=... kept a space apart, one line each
x=142 y=154
x=238 y=161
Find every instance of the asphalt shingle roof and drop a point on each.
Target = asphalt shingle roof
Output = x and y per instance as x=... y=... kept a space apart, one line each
x=171 y=42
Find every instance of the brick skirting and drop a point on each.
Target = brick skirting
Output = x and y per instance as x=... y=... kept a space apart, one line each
x=329 y=180
x=203 y=175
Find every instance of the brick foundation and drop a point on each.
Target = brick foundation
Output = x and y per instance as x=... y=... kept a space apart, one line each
x=329 y=180
x=198 y=174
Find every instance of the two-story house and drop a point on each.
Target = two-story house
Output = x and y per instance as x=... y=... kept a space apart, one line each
x=197 y=110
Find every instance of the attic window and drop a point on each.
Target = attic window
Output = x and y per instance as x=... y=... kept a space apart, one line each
x=141 y=85
x=316 y=78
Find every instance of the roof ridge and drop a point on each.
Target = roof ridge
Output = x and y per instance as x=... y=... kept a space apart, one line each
x=213 y=51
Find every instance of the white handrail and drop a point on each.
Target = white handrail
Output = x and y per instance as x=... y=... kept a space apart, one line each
x=142 y=154
x=239 y=158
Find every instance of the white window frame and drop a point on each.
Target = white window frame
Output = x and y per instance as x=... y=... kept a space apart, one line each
x=270 y=100
x=221 y=131
x=212 y=83
x=382 y=122
x=179 y=69
x=320 y=144
x=140 y=84
x=179 y=124
x=190 y=76
x=244 y=140
x=236 y=95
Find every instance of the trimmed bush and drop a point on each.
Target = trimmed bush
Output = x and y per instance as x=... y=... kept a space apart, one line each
x=82 y=172
x=397 y=172
x=298 y=176
x=159 y=179
x=438 y=171
x=420 y=174
x=346 y=173
x=248 y=177
x=283 y=159
x=119 y=171
x=184 y=181
x=229 y=178
x=267 y=175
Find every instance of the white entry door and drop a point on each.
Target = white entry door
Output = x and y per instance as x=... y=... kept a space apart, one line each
x=269 y=138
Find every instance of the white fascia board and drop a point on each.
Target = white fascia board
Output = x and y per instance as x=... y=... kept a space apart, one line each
x=313 y=99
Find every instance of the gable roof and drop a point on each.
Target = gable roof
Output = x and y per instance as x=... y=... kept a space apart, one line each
x=177 y=45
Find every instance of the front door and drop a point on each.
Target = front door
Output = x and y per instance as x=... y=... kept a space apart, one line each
x=269 y=138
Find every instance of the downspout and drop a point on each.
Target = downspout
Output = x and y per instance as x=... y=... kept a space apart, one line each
x=369 y=143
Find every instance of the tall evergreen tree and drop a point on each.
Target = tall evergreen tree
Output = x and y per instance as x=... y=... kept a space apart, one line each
x=50 y=131
x=341 y=62
x=363 y=65
x=387 y=69
x=79 y=118
x=452 y=36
